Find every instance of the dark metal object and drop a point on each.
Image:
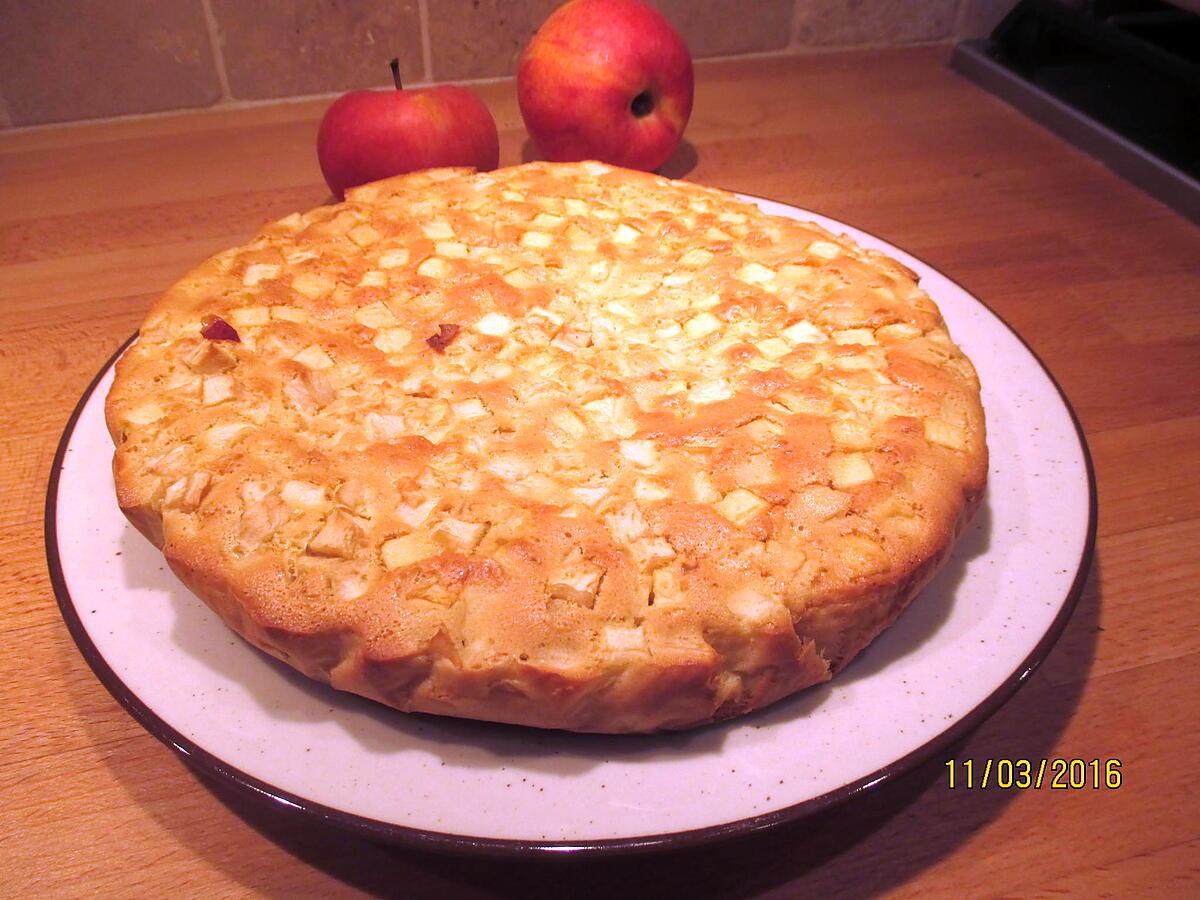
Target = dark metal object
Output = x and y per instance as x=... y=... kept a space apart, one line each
x=1120 y=79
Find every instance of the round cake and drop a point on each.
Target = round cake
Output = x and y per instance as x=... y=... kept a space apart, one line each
x=562 y=445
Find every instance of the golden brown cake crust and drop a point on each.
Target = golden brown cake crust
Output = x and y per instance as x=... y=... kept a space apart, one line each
x=561 y=445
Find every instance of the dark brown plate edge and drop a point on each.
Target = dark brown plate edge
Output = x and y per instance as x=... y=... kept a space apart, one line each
x=212 y=766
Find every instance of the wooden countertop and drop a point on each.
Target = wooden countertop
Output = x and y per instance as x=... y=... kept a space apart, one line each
x=1102 y=281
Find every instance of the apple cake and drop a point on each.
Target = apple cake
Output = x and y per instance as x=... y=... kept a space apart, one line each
x=562 y=445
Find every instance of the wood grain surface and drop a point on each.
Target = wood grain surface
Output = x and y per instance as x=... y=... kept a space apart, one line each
x=1102 y=281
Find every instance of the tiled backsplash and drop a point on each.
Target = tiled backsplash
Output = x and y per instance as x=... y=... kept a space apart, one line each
x=66 y=60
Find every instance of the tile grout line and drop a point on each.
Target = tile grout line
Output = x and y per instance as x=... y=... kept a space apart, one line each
x=214 y=40
x=426 y=42
x=794 y=26
x=960 y=17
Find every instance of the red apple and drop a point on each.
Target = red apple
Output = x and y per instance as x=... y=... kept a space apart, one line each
x=608 y=80
x=368 y=135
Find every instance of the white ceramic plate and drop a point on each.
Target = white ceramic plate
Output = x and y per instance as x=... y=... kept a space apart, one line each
x=960 y=650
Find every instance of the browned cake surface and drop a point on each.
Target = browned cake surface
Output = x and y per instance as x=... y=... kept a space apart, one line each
x=679 y=459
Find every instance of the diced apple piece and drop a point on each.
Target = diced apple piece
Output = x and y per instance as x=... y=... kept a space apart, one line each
x=617 y=308
x=701 y=325
x=434 y=267
x=415 y=516
x=861 y=555
x=519 y=279
x=624 y=234
x=225 y=434
x=573 y=337
x=762 y=431
x=536 y=239
x=569 y=422
x=312 y=285
x=314 y=357
x=755 y=273
x=666 y=585
x=256 y=272
x=640 y=452
x=373 y=278
x=899 y=331
x=695 y=258
x=438 y=231
x=187 y=493
x=216 y=389
x=710 y=391
x=751 y=604
x=288 y=314
x=210 y=357
x=589 y=495
x=261 y=520
x=740 y=506
x=547 y=220
x=509 y=466
x=773 y=348
x=856 y=363
x=246 y=316
x=627 y=523
x=864 y=336
x=385 y=427
x=338 y=537
x=406 y=550
x=850 y=435
x=375 y=315
x=302 y=493
x=945 y=434
x=703 y=490
x=850 y=470
x=392 y=340
x=471 y=408
x=624 y=639
x=537 y=313
x=494 y=324
x=650 y=490
x=467 y=535
x=309 y=392
x=824 y=249
x=804 y=332
x=393 y=259
x=145 y=414
x=579 y=576
x=363 y=235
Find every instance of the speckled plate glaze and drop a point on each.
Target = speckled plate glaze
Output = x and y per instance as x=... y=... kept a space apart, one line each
x=962 y=648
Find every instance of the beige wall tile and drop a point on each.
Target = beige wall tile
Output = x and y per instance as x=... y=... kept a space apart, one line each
x=719 y=27
x=284 y=48
x=482 y=38
x=849 y=22
x=977 y=18
x=62 y=60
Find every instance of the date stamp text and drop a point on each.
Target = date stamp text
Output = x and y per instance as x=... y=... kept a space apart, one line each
x=1034 y=774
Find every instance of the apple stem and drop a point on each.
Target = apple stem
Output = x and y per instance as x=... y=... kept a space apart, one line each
x=395 y=64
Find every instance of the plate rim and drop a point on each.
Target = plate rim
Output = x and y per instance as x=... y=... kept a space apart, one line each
x=210 y=765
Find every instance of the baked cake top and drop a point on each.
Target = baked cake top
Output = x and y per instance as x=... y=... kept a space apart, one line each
x=564 y=420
